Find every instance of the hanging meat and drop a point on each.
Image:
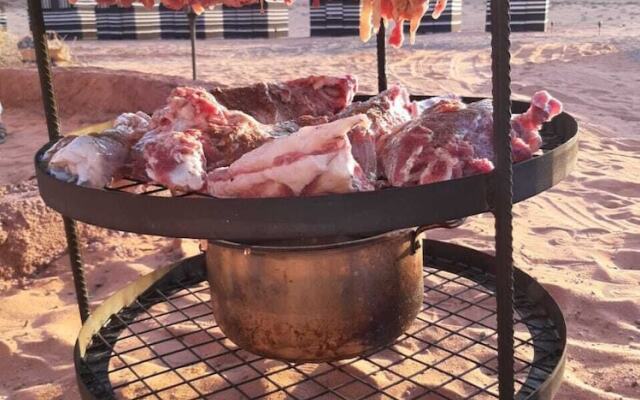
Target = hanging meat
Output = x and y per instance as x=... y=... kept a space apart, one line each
x=398 y=11
x=315 y=160
x=451 y=140
x=274 y=102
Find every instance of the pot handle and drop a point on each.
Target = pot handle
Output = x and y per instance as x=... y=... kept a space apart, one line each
x=451 y=224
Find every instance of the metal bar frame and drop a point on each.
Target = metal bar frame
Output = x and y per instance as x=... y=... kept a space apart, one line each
x=502 y=198
x=36 y=19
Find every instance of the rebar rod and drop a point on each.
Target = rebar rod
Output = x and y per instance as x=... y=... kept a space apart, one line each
x=192 y=35
x=503 y=191
x=382 y=59
x=53 y=127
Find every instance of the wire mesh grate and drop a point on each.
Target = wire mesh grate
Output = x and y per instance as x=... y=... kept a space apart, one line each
x=167 y=345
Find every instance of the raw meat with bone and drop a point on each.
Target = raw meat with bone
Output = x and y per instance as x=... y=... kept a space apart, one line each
x=315 y=160
x=451 y=140
x=274 y=102
x=89 y=160
x=372 y=11
x=92 y=160
x=228 y=134
x=173 y=159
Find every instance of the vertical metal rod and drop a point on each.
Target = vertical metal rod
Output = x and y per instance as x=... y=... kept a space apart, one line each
x=382 y=59
x=503 y=195
x=192 y=34
x=53 y=126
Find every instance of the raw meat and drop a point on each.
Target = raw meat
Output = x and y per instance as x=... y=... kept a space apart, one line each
x=451 y=140
x=92 y=160
x=525 y=127
x=372 y=11
x=315 y=160
x=132 y=126
x=172 y=159
x=89 y=160
x=271 y=103
x=188 y=108
x=423 y=105
x=386 y=110
x=226 y=134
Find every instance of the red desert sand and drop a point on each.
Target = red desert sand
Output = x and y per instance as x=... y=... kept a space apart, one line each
x=581 y=239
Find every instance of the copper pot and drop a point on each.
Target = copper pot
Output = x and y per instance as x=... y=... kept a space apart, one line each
x=320 y=302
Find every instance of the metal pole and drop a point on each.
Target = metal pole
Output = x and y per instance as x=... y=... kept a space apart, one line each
x=503 y=195
x=382 y=59
x=53 y=127
x=192 y=34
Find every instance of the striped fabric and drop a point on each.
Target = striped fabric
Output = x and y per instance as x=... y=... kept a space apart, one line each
x=449 y=21
x=254 y=22
x=526 y=15
x=3 y=19
x=70 y=21
x=341 y=18
x=86 y=20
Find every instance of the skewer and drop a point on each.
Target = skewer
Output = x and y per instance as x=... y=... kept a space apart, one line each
x=192 y=34
x=382 y=59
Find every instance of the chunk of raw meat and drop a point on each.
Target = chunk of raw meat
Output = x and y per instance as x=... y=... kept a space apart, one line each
x=372 y=11
x=92 y=160
x=525 y=127
x=451 y=140
x=423 y=105
x=132 y=126
x=89 y=160
x=226 y=134
x=188 y=108
x=271 y=103
x=315 y=160
x=172 y=159
x=416 y=154
x=386 y=111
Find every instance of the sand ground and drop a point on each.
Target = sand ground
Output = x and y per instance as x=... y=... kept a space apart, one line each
x=581 y=239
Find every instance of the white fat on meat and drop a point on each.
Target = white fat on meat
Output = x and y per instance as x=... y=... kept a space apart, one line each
x=173 y=159
x=315 y=160
x=132 y=125
x=89 y=160
x=188 y=108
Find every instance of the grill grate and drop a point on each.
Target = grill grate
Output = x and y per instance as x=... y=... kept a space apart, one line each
x=166 y=345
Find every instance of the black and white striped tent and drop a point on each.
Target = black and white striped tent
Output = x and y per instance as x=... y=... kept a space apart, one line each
x=134 y=22
x=252 y=22
x=526 y=15
x=3 y=19
x=86 y=20
x=70 y=21
x=341 y=18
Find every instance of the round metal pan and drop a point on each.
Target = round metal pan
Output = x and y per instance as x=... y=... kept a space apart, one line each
x=364 y=213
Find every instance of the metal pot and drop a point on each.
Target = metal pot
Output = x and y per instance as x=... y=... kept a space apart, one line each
x=321 y=302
